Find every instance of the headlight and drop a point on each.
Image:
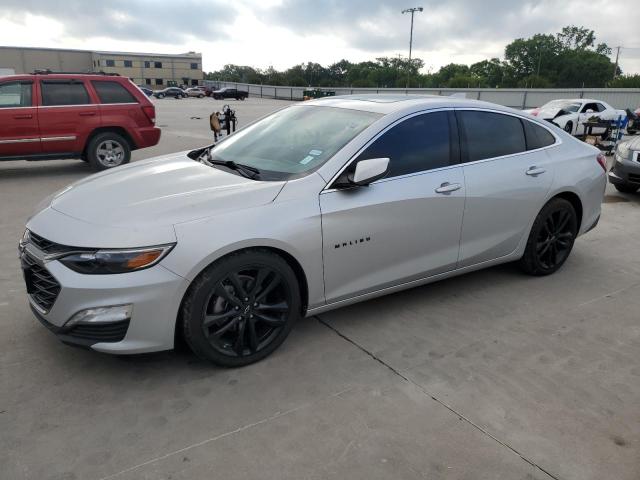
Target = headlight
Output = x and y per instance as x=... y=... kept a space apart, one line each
x=115 y=261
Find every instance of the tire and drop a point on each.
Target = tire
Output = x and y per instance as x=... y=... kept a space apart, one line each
x=569 y=128
x=271 y=306
x=161 y=95
x=625 y=188
x=200 y=96
x=108 y=150
x=551 y=238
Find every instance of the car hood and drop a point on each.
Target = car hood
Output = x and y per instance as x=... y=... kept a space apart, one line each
x=161 y=191
x=634 y=143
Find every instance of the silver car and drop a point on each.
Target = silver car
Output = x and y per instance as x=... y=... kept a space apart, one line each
x=314 y=207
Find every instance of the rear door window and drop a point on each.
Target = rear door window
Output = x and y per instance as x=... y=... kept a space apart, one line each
x=64 y=92
x=112 y=92
x=15 y=94
x=489 y=135
x=537 y=136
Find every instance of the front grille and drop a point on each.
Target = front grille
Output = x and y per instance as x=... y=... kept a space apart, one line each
x=49 y=247
x=100 y=332
x=634 y=178
x=41 y=285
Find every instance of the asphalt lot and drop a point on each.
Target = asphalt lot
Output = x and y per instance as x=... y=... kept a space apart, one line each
x=493 y=375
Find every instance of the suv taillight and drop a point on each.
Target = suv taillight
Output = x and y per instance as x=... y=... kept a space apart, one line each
x=602 y=160
x=150 y=112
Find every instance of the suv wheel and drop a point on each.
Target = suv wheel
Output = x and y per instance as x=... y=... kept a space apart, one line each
x=161 y=95
x=551 y=238
x=108 y=150
x=241 y=308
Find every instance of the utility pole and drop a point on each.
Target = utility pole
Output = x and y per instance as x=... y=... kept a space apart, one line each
x=412 y=11
x=615 y=68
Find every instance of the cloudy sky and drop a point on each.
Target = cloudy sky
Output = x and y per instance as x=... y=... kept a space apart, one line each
x=283 y=33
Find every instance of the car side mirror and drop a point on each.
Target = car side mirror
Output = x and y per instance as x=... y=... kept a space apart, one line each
x=368 y=171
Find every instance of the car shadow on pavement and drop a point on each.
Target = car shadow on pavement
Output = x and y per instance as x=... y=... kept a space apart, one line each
x=31 y=170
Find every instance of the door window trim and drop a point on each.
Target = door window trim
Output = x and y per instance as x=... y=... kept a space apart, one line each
x=328 y=187
x=511 y=114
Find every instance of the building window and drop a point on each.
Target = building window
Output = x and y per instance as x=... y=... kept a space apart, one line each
x=159 y=81
x=194 y=82
x=128 y=63
x=147 y=81
x=194 y=66
x=147 y=64
x=110 y=63
x=98 y=62
x=157 y=64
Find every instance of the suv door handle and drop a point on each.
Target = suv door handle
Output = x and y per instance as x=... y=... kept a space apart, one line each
x=87 y=114
x=23 y=116
x=447 y=187
x=534 y=171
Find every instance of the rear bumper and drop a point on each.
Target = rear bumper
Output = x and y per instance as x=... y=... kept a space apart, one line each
x=147 y=137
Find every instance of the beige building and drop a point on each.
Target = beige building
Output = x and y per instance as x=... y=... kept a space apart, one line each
x=153 y=69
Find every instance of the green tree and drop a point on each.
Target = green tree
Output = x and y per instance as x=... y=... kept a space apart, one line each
x=625 y=81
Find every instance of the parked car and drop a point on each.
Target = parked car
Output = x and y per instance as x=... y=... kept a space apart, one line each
x=223 y=93
x=98 y=118
x=314 y=207
x=147 y=91
x=174 y=92
x=634 y=121
x=625 y=173
x=570 y=114
x=195 y=92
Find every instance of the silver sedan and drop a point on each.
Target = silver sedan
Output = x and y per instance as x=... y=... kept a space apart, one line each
x=317 y=206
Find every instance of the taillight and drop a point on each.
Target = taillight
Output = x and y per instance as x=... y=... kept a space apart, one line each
x=602 y=160
x=150 y=112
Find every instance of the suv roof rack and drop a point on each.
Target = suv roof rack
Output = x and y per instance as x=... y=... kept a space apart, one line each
x=47 y=71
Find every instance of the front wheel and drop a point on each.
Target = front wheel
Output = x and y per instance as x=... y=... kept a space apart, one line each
x=161 y=95
x=108 y=150
x=569 y=128
x=551 y=238
x=241 y=308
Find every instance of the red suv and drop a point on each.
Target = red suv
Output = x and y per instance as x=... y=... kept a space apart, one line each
x=99 y=118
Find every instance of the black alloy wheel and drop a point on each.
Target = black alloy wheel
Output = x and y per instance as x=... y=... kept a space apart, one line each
x=551 y=239
x=241 y=308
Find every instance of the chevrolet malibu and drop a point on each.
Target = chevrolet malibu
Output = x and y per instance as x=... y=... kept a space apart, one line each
x=312 y=208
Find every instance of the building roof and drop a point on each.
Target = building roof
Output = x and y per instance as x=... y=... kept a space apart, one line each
x=106 y=52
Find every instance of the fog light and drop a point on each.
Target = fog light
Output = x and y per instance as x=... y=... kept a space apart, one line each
x=95 y=315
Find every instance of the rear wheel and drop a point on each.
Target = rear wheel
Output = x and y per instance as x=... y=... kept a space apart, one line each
x=241 y=308
x=625 y=188
x=551 y=238
x=161 y=95
x=108 y=150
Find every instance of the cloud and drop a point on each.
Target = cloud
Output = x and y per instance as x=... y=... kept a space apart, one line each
x=149 y=21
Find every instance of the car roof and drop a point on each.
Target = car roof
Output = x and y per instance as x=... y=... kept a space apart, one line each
x=62 y=76
x=390 y=103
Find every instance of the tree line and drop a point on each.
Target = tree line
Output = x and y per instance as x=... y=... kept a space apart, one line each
x=568 y=59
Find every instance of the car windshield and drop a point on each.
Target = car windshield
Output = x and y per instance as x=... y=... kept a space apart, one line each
x=557 y=105
x=293 y=141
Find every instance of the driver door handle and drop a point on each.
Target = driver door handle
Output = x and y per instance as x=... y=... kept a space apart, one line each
x=534 y=171
x=447 y=187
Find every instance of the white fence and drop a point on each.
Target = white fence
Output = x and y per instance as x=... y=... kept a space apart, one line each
x=510 y=97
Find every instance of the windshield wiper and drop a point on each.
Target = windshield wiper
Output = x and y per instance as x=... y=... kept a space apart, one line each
x=246 y=170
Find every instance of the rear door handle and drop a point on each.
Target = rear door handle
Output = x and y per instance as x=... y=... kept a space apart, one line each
x=534 y=171
x=447 y=187
x=23 y=116
x=87 y=114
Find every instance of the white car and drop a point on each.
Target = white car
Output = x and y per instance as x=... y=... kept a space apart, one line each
x=570 y=114
x=314 y=207
x=195 y=92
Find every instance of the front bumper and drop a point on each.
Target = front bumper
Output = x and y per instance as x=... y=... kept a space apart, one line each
x=625 y=172
x=155 y=294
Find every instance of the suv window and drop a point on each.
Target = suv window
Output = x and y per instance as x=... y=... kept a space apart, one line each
x=537 y=136
x=490 y=135
x=112 y=92
x=15 y=94
x=64 y=92
x=417 y=144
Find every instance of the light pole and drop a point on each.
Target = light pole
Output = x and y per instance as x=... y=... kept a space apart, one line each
x=412 y=11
